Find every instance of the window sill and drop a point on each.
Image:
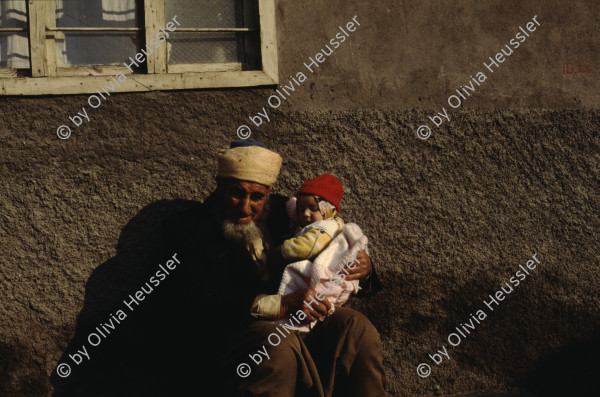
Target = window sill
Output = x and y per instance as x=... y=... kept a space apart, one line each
x=134 y=82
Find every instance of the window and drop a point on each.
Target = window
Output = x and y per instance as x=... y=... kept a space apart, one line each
x=75 y=46
x=14 y=45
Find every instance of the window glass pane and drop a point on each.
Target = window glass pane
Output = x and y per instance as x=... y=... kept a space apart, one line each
x=96 y=13
x=205 y=47
x=80 y=48
x=205 y=13
x=96 y=48
x=14 y=46
x=192 y=47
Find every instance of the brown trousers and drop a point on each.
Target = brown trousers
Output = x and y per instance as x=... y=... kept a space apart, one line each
x=341 y=356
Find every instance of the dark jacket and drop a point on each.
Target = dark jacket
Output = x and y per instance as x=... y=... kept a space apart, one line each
x=211 y=292
x=216 y=276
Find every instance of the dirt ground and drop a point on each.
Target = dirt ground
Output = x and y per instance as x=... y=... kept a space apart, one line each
x=450 y=220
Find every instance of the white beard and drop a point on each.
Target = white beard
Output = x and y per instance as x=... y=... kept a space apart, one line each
x=243 y=235
x=246 y=235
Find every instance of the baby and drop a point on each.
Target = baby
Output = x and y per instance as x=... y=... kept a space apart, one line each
x=322 y=243
x=314 y=212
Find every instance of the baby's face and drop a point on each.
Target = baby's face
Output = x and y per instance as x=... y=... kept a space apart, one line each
x=307 y=210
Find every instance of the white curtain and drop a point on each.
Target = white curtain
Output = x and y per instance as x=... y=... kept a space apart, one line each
x=118 y=10
x=112 y=10
x=14 y=47
x=74 y=50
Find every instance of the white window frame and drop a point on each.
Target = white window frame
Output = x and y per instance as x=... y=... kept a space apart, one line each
x=49 y=79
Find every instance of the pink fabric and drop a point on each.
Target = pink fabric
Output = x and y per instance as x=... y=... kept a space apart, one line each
x=321 y=273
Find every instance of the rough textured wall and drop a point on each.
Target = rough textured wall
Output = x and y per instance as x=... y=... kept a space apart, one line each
x=449 y=222
x=449 y=218
x=416 y=53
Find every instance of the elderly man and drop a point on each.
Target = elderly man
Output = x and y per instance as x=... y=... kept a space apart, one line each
x=225 y=293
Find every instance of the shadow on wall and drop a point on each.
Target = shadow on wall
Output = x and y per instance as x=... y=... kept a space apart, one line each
x=147 y=353
x=128 y=355
x=14 y=359
x=571 y=371
x=506 y=342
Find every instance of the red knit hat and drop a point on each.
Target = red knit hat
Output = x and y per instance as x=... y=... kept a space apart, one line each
x=326 y=186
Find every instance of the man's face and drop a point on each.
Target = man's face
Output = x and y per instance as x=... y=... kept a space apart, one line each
x=243 y=201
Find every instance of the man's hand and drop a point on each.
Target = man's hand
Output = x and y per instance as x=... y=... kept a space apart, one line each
x=291 y=303
x=363 y=267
